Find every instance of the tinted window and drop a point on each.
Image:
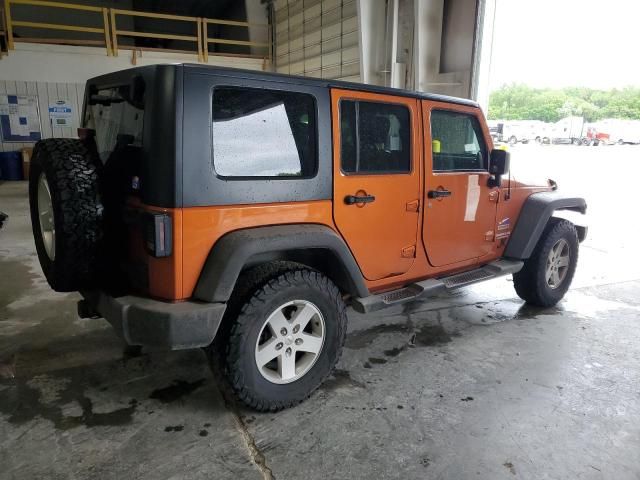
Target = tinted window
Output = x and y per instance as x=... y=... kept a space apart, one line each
x=457 y=142
x=114 y=118
x=263 y=133
x=374 y=137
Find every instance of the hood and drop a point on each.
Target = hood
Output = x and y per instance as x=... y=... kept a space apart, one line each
x=526 y=172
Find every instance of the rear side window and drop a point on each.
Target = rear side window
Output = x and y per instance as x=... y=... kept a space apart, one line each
x=374 y=137
x=457 y=142
x=264 y=133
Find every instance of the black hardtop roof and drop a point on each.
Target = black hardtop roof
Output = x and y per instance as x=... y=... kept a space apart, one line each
x=297 y=79
x=293 y=79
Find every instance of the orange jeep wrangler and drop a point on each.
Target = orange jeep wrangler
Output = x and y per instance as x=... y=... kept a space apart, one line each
x=242 y=211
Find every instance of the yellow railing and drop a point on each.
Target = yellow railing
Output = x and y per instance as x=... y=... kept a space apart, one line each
x=111 y=33
x=103 y=30
x=206 y=40
x=197 y=22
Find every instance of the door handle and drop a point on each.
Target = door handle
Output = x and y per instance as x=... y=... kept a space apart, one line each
x=353 y=199
x=438 y=193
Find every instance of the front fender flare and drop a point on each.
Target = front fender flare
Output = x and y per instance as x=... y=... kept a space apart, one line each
x=534 y=216
x=240 y=248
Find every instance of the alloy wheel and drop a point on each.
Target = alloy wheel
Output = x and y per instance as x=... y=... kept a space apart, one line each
x=557 y=264
x=45 y=215
x=290 y=342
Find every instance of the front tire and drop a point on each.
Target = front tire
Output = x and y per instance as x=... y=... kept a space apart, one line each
x=286 y=340
x=547 y=274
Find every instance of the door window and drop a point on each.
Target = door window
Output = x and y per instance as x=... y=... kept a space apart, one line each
x=457 y=142
x=375 y=138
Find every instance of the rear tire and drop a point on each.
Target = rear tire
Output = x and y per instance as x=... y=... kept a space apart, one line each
x=547 y=274
x=278 y=300
x=66 y=207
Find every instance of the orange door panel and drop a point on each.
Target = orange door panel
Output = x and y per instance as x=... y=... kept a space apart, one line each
x=377 y=183
x=460 y=207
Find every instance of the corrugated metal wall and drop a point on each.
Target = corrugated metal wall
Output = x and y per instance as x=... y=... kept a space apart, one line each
x=46 y=92
x=317 y=38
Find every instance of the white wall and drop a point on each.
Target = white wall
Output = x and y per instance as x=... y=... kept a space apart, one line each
x=429 y=76
x=372 y=30
x=46 y=92
x=483 y=53
x=257 y=15
x=59 y=72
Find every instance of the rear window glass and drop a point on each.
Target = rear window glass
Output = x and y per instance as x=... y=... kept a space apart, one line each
x=263 y=133
x=114 y=119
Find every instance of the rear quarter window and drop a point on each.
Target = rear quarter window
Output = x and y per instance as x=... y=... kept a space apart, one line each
x=264 y=133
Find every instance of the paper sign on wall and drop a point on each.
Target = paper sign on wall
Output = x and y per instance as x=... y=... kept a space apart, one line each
x=60 y=113
x=19 y=118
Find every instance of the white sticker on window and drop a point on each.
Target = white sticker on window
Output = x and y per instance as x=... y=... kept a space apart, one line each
x=469 y=147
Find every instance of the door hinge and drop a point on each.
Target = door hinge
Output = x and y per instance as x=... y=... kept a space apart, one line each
x=409 y=252
x=494 y=196
x=413 y=206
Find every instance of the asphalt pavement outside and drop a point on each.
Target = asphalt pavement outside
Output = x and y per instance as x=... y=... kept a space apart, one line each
x=474 y=385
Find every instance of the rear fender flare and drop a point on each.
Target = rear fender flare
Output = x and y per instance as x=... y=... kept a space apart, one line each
x=315 y=245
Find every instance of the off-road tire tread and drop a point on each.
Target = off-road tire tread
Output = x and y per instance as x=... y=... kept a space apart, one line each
x=252 y=312
x=529 y=284
x=72 y=173
x=248 y=282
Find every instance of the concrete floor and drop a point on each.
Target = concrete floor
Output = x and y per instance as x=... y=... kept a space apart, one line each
x=471 y=386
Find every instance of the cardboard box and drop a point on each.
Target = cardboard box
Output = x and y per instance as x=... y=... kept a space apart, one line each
x=26 y=161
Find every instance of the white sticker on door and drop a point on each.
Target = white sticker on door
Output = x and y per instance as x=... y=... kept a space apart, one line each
x=473 y=198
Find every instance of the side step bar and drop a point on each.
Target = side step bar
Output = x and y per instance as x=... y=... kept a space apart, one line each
x=435 y=286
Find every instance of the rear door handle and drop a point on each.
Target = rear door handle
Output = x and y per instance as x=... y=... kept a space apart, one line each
x=438 y=193
x=353 y=199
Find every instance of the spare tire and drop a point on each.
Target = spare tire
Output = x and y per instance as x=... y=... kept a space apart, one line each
x=66 y=212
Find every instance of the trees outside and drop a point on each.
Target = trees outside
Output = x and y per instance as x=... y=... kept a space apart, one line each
x=521 y=102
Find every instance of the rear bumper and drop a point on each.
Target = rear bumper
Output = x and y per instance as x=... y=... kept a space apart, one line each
x=147 y=322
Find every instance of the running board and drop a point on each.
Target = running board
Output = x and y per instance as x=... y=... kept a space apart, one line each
x=435 y=286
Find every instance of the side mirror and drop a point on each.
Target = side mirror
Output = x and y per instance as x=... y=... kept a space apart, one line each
x=499 y=164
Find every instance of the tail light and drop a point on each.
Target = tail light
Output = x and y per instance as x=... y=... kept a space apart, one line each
x=158 y=234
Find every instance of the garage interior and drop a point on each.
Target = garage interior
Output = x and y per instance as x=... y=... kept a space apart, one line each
x=471 y=385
